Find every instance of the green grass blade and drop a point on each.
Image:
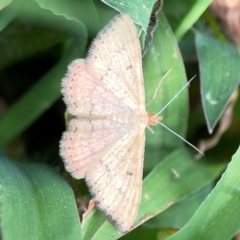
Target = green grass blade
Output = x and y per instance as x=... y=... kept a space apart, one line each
x=192 y=16
x=177 y=215
x=218 y=216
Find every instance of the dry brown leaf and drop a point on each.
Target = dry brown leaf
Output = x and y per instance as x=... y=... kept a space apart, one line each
x=91 y=206
x=229 y=14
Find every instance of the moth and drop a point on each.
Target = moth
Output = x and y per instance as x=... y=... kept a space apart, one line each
x=105 y=140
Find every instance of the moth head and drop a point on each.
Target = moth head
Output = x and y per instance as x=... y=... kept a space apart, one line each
x=153 y=119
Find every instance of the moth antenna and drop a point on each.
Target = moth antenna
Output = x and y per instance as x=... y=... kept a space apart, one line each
x=175 y=96
x=180 y=137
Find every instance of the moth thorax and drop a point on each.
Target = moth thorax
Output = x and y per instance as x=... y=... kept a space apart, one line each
x=131 y=117
x=153 y=119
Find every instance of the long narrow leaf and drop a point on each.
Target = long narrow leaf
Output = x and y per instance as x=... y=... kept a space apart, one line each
x=218 y=216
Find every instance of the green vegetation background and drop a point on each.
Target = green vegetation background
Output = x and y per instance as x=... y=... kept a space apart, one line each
x=38 y=39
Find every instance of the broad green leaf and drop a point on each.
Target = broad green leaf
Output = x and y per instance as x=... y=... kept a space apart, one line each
x=218 y=216
x=162 y=56
x=139 y=11
x=161 y=189
x=220 y=75
x=36 y=203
